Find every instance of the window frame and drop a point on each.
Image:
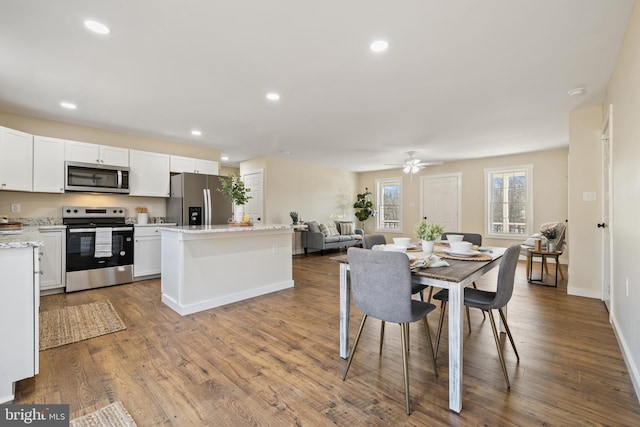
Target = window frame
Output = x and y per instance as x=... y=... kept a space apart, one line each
x=489 y=173
x=380 y=183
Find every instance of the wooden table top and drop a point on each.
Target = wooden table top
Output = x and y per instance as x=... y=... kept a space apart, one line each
x=457 y=271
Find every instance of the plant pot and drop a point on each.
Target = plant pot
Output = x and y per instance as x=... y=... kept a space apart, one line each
x=427 y=246
x=550 y=247
x=238 y=211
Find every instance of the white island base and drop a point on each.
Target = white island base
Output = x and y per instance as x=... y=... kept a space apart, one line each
x=208 y=266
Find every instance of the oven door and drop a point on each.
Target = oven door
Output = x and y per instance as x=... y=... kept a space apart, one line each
x=81 y=244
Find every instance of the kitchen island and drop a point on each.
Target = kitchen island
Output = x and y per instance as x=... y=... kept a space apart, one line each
x=209 y=266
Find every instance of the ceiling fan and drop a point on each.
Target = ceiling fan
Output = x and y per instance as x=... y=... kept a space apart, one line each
x=413 y=165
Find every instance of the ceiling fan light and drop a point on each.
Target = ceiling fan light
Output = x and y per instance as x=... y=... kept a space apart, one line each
x=406 y=169
x=415 y=169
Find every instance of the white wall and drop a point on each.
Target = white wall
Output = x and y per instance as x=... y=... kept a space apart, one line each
x=624 y=94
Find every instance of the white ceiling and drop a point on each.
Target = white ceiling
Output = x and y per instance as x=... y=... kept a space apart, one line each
x=461 y=78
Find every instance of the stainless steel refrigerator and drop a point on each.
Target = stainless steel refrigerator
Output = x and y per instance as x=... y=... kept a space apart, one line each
x=195 y=200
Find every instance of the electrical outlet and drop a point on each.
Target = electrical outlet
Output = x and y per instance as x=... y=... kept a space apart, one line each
x=275 y=249
x=149 y=208
x=15 y=207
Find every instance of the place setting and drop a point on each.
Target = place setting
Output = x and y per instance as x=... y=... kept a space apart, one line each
x=464 y=251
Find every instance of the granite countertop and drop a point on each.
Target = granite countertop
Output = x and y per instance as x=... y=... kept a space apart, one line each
x=30 y=236
x=163 y=224
x=203 y=229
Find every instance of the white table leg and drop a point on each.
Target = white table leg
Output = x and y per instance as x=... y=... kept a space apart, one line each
x=456 y=297
x=345 y=309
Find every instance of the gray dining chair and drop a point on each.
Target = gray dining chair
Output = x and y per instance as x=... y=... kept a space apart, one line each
x=381 y=288
x=475 y=239
x=488 y=300
x=369 y=242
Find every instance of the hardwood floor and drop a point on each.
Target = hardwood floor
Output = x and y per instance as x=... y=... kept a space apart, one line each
x=274 y=361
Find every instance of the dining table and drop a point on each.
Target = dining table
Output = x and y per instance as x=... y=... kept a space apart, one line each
x=460 y=273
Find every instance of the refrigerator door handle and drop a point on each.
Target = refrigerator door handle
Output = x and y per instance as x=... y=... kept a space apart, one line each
x=208 y=205
x=205 y=207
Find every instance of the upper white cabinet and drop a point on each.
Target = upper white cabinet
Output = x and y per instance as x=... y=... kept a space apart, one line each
x=148 y=174
x=181 y=164
x=76 y=151
x=48 y=164
x=16 y=160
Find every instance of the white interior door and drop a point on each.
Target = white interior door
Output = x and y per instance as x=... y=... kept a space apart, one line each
x=254 y=181
x=440 y=200
x=607 y=250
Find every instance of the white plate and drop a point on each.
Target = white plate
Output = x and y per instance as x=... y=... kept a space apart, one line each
x=461 y=254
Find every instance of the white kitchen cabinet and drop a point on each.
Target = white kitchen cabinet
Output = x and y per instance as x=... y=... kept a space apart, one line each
x=181 y=164
x=52 y=261
x=48 y=164
x=76 y=151
x=149 y=174
x=16 y=160
x=19 y=311
x=146 y=252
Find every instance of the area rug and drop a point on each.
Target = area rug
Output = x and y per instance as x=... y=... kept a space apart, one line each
x=76 y=323
x=114 y=415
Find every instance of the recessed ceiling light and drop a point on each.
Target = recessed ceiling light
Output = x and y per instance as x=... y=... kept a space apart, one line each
x=379 y=46
x=576 y=91
x=273 y=96
x=68 y=105
x=97 y=27
x=224 y=158
x=196 y=132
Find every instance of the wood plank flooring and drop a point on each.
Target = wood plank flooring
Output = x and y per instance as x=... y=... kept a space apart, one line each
x=274 y=361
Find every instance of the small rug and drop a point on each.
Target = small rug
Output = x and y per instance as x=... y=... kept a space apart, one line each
x=76 y=323
x=114 y=415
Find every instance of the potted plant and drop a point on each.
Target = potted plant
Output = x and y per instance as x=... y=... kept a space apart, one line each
x=365 y=205
x=234 y=188
x=428 y=233
x=550 y=234
x=294 y=217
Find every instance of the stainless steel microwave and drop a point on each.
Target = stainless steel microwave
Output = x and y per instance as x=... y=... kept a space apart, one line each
x=88 y=177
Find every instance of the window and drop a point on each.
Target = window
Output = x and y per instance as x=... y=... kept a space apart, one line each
x=509 y=195
x=389 y=199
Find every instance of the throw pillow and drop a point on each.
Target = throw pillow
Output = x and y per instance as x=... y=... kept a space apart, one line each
x=347 y=228
x=333 y=230
x=325 y=230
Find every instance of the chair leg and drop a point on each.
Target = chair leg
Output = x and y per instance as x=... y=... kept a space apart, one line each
x=506 y=327
x=381 y=335
x=484 y=316
x=355 y=345
x=433 y=355
x=443 y=307
x=497 y=339
x=405 y=364
x=544 y=264
x=430 y=293
x=560 y=269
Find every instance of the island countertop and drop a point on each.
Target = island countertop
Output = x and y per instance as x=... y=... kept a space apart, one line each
x=204 y=229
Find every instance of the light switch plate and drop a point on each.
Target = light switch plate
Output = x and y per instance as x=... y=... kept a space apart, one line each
x=15 y=207
x=589 y=196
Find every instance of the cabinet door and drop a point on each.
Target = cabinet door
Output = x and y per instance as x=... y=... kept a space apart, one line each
x=48 y=165
x=114 y=156
x=207 y=167
x=18 y=314
x=148 y=174
x=147 y=256
x=52 y=260
x=76 y=151
x=181 y=164
x=16 y=160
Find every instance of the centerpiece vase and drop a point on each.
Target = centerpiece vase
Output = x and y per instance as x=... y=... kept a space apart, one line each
x=427 y=246
x=238 y=211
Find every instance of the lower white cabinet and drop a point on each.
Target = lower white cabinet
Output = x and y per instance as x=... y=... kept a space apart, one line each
x=19 y=311
x=52 y=261
x=146 y=252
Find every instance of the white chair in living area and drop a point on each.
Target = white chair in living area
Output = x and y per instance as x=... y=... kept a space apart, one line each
x=381 y=288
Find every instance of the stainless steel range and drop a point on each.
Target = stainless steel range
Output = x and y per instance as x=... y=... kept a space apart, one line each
x=99 y=247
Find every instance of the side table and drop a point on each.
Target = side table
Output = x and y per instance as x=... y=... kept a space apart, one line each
x=531 y=253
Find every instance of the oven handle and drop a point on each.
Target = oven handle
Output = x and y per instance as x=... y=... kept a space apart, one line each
x=93 y=230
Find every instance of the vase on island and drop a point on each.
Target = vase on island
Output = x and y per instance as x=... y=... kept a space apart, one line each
x=238 y=211
x=427 y=246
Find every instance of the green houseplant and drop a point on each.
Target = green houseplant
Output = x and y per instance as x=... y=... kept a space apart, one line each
x=294 y=217
x=233 y=187
x=428 y=233
x=365 y=206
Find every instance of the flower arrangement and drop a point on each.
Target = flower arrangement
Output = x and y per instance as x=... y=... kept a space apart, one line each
x=294 y=217
x=549 y=233
x=234 y=188
x=426 y=231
